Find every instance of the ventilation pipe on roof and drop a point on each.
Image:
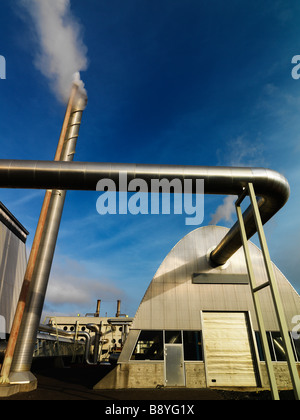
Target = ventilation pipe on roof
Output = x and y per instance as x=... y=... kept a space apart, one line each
x=97 y=313
x=118 y=308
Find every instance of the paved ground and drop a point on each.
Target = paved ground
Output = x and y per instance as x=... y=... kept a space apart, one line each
x=77 y=384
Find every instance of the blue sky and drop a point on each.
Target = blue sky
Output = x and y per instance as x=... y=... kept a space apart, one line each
x=169 y=81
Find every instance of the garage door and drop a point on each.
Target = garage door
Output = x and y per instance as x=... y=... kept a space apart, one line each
x=227 y=351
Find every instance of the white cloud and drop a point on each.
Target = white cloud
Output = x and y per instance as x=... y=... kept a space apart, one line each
x=242 y=151
x=73 y=285
x=25 y=198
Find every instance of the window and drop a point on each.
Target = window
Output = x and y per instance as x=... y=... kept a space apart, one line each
x=149 y=346
x=276 y=347
x=173 y=337
x=192 y=345
x=296 y=342
x=259 y=346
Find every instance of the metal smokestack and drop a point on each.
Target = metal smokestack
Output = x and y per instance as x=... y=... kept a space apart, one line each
x=98 y=308
x=38 y=287
x=14 y=333
x=118 y=308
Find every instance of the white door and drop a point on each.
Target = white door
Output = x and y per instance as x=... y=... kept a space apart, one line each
x=227 y=349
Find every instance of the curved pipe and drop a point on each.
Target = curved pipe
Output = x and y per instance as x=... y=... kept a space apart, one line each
x=86 y=335
x=96 y=328
x=272 y=187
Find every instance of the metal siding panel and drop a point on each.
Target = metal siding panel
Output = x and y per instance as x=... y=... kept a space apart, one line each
x=12 y=270
x=170 y=308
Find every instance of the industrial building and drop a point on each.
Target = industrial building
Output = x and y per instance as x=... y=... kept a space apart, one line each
x=107 y=335
x=66 y=338
x=218 y=312
x=196 y=325
x=13 y=263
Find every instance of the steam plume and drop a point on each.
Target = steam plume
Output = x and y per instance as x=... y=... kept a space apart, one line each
x=225 y=210
x=62 y=52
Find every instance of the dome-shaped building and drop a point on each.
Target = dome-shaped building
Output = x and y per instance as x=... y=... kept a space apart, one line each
x=196 y=326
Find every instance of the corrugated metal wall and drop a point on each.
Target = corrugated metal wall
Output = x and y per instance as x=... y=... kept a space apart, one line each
x=174 y=301
x=12 y=269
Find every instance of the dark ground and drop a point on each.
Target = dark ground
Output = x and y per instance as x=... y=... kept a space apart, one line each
x=76 y=383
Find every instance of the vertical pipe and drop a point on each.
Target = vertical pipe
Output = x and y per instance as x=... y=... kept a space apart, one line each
x=98 y=308
x=36 y=295
x=15 y=329
x=97 y=343
x=118 y=308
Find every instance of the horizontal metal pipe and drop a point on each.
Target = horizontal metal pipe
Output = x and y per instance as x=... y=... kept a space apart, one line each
x=272 y=187
x=58 y=332
x=75 y=334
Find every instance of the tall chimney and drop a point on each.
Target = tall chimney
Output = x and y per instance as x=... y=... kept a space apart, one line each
x=98 y=308
x=36 y=294
x=118 y=308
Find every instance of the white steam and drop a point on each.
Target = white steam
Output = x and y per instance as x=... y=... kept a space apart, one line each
x=224 y=211
x=62 y=53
